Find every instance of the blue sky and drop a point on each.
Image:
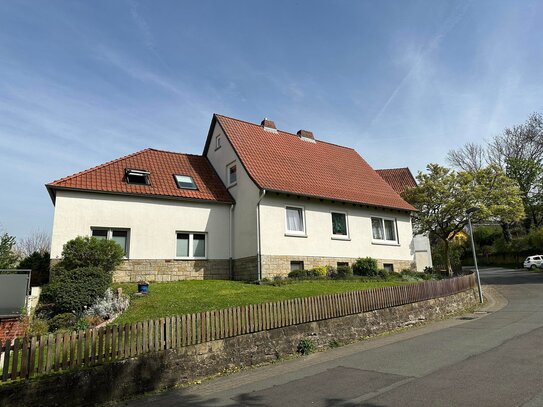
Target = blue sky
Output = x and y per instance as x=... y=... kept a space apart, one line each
x=84 y=82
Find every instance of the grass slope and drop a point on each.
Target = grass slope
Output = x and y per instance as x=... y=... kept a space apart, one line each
x=185 y=297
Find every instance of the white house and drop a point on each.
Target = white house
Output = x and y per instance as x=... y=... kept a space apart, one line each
x=258 y=202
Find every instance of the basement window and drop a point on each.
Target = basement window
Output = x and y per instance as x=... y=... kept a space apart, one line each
x=137 y=177
x=185 y=182
x=388 y=267
x=296 y=265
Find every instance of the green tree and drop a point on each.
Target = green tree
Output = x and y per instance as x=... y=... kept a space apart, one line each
x=443 y=196
x=528 y=174
x=518 y=150
x=39 y=264
x=8 y=257
x=91 y=252
x=73 y=290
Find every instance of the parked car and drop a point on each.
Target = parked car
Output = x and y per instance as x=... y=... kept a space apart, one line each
x=532 y=262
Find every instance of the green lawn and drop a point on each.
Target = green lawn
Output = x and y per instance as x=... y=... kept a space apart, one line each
x=185 y=297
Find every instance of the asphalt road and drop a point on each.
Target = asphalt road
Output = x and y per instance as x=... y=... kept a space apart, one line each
x=493 y=357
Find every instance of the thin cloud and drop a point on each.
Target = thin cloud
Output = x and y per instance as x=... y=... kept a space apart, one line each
x=420 y=59
x=142 y=25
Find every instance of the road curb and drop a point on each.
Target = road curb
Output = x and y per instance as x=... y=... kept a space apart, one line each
x=494 y=300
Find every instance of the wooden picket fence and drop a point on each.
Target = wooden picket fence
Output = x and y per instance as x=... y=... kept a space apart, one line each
x=26 y=357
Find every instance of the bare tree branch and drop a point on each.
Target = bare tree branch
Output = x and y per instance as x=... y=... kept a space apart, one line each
x=471 y=157
x=37 y=242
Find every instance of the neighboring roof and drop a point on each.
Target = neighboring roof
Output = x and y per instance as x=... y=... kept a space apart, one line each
x=162 y=165
x=398 y=178
x=285 y=163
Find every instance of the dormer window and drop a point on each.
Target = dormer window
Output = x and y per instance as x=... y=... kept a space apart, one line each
x=137 y=177
x=185 y=182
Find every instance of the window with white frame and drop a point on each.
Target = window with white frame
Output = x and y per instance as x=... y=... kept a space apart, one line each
x=339 y=224
x=191 y=245
x=232 y=174
x=119 y=236
x=295 y=221
x=384 y=229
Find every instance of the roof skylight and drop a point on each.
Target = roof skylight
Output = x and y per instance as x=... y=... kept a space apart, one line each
x=185 y=182
x=137 y=177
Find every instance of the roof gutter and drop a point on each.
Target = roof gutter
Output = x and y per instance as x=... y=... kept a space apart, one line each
x=258 y=240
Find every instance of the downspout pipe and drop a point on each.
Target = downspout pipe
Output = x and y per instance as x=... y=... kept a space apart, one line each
x=258 y=240
x=230 y=243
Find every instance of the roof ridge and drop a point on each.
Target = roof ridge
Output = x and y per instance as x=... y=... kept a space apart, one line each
x=391 y=169
x=100 y=166
x=282 y=131
x=172 y=152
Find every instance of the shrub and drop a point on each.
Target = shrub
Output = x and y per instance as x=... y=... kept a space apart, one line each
x=319 y=271
x=91 y=252
x=74 y=290
x=344 y=272
x=305 y=347
x=384 y=274
x=297 y=274
x=82 y=324
x=412 y=275
x=37 y=327
x=109 y=305
x=65 y=320
x=39 y=264
x=428 y=270
x=365 y=267
x=334 y=343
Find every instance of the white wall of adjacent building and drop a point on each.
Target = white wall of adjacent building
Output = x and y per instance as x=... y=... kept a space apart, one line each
x=152 y=223
x=244 y=192
x=423 y=252
x=319 y=240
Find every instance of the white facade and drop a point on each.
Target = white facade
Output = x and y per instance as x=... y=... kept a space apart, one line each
x=244 y=191
x=318 y=239
x=233 y=231
x=152 y=223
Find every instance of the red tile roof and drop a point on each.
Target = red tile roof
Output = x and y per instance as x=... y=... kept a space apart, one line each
x=162 y=165
x=398 y=178
x=283 y=162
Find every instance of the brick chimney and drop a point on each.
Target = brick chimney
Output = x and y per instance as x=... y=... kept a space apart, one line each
x=306 y=135
x=268 y=125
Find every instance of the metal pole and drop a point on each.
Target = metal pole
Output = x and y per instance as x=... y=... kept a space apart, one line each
x=475 y=260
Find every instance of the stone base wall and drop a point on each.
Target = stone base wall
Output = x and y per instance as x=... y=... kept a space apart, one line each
x=172 y=270
x=159 y=370
x=280 y=265
x=246 y=269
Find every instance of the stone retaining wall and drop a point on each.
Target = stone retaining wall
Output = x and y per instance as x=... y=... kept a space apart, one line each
x=246 y=269
x=280 y=265
x=172 y=270
x=154 y=371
